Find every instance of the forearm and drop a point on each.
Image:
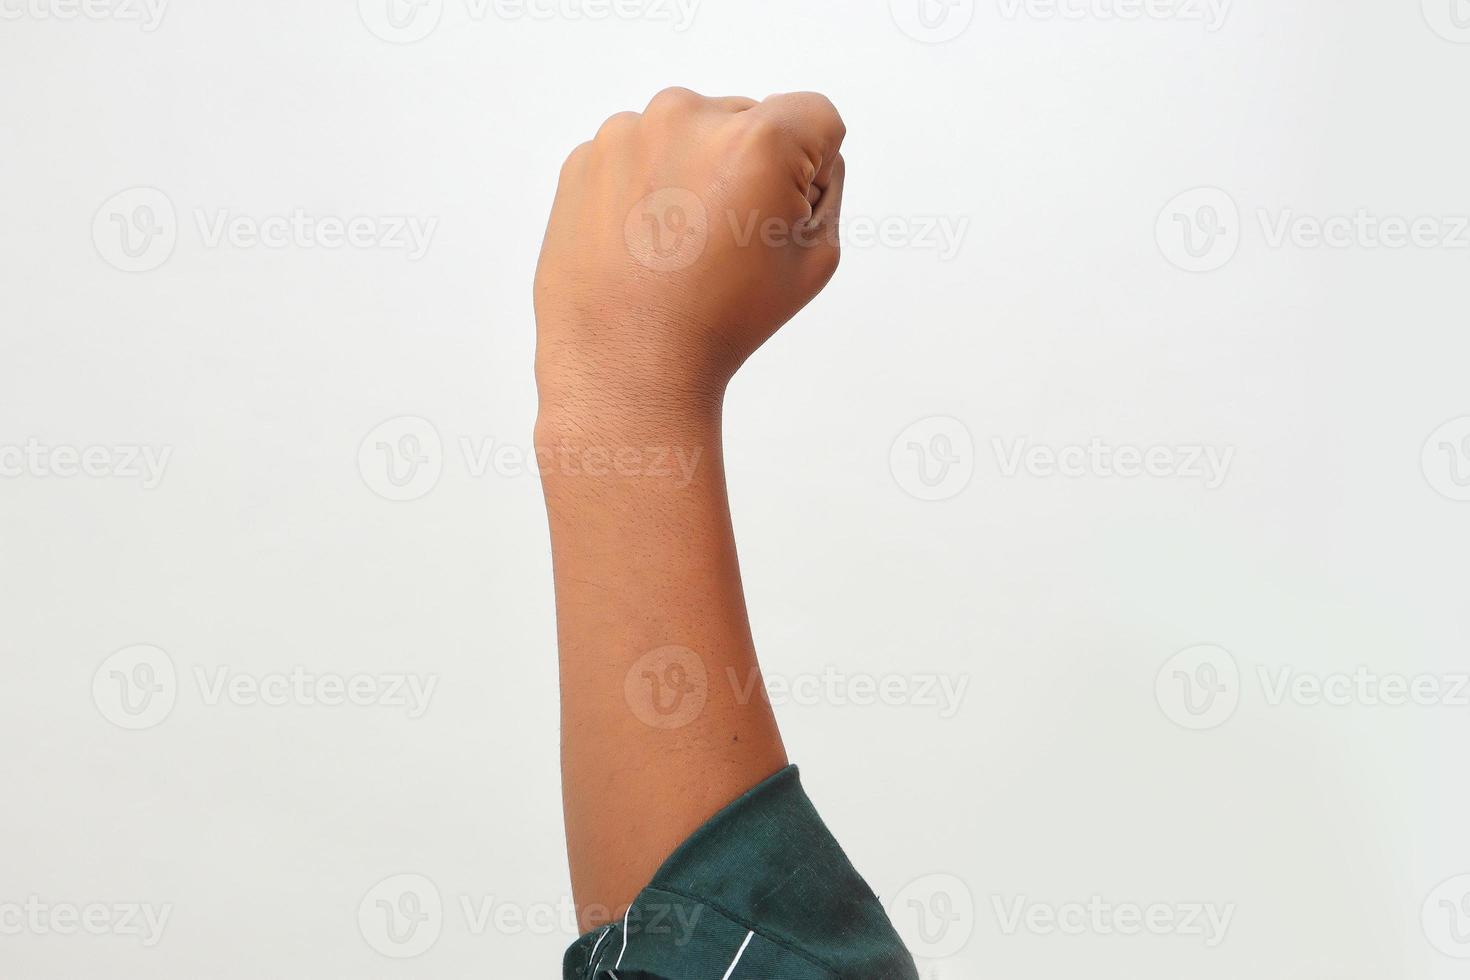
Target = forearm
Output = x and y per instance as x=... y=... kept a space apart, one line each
x=644 y=557
x=647 y=302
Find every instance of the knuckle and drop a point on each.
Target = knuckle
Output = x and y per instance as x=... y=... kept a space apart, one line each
x=673 y=99
x=824 y=264
x=823 y=108
x=761 y=131
x=825 y=105
x=838 y=126
x=617 y=124
x=815 y=100
x=817 y=107
x=575 y=159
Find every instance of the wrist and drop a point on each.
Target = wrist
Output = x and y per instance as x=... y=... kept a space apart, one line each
x=629 y=375
x=620 y=399
x=648 y=449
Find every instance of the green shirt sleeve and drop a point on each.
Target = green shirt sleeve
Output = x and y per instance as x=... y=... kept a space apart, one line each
x=762 y=890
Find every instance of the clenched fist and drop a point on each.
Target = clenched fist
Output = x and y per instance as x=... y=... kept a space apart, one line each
x=681 y=239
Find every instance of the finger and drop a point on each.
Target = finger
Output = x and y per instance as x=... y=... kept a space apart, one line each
x=828 y=208
x=824 y=173
x=821 y=236
x=812 y=122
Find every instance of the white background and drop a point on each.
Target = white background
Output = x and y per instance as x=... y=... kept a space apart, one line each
x=1065 y=316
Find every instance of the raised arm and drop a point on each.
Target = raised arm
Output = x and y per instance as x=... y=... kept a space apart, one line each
x=680 y=240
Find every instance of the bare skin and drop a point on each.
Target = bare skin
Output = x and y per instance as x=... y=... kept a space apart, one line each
x=680 y=240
